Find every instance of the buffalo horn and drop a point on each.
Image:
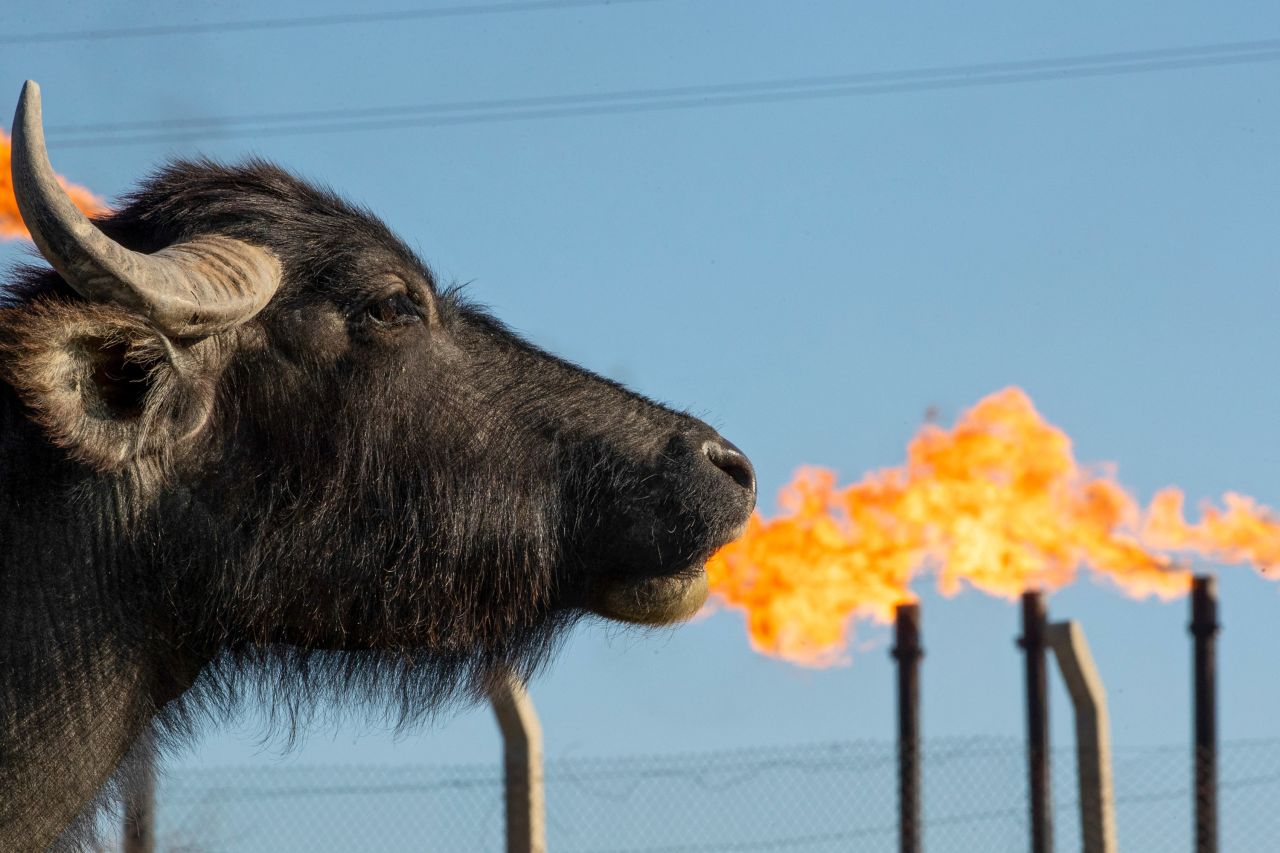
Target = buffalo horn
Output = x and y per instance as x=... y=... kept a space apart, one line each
x=190 y=289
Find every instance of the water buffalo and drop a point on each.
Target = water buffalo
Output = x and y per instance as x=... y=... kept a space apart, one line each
x=250 y=446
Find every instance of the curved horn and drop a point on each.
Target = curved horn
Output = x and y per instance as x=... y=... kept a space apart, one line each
x=189 y=289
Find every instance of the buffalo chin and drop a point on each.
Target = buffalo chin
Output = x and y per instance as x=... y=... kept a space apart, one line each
x=651 y=601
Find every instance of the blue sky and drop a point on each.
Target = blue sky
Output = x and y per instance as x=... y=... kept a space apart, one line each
x=810 y=276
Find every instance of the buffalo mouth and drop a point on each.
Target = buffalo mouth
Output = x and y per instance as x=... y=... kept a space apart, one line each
x=661 y=600
x=650 y=561
x=660 y=594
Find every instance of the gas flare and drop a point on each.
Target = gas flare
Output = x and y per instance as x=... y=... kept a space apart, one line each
x=11 y=227
x=997 y=503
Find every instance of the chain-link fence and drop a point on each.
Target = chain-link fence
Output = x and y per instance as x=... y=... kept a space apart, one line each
x=823 y=797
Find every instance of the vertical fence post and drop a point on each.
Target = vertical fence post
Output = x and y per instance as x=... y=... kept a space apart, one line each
x=1204 y=628
x=139 y=834
x=1038 y=783
x=907 y=651
x=1093 y=736
x=522 y=764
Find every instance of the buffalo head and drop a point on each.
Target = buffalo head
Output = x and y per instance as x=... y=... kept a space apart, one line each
x=244 y=424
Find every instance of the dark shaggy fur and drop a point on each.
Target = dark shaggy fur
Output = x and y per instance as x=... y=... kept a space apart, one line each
x=371 y=492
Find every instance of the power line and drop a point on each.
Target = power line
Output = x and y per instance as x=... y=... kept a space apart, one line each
x=245 y=25
x=324 y=121
x=1233 y=50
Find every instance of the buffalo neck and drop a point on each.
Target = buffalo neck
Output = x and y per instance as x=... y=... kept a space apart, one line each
x=79 y=682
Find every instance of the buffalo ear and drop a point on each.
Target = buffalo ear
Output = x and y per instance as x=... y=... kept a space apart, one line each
x=101 y=383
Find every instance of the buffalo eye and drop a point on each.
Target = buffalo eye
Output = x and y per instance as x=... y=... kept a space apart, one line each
x=394 y=310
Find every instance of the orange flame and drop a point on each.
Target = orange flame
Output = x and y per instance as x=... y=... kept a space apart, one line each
x=11 y=227
x=997 y=503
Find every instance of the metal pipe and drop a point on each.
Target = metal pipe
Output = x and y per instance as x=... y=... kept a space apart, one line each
x=1204 y=628
x=1038 y=783
x=907 y=651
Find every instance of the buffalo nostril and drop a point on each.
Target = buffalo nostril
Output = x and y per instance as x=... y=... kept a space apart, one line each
x=730 y=460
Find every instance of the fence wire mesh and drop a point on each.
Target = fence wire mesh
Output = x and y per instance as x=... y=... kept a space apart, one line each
x=812 y=798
